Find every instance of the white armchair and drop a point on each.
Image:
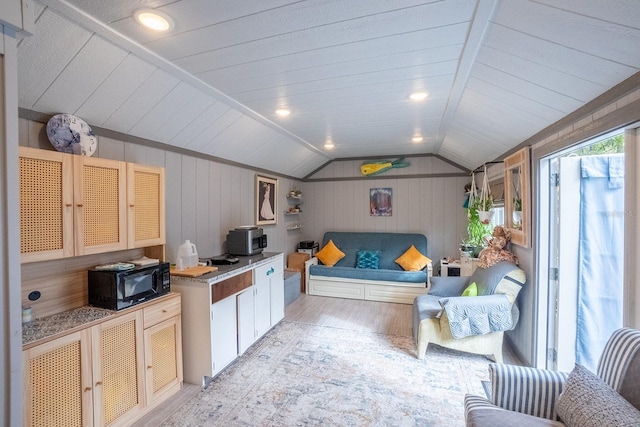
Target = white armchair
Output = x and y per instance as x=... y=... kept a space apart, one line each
x=471 y=324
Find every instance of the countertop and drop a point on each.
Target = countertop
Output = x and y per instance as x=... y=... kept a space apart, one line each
x=224 y=271
x=58 y=324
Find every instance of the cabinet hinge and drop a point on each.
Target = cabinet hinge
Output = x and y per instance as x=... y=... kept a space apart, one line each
x=553 y=273
x=555 y=179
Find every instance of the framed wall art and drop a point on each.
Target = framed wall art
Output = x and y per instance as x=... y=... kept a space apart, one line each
x=266 y=200
x=380 y=201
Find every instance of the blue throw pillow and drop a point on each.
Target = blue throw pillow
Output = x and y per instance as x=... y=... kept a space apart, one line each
x=368 y=259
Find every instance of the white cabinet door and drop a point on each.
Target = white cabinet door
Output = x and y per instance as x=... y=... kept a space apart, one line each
x=224 y=341
x=262 y=308
x=246 y=320
x=276 y=287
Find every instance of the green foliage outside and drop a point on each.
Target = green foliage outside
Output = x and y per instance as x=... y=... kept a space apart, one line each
x=611 y=145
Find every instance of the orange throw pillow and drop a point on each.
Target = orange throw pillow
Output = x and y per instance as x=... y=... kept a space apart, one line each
x=330 y=254
x=412 y=260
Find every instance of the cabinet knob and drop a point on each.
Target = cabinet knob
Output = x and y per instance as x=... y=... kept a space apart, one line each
x=69 y=205
x=79 y=205
x=87 y=389
x=149 y=367
x=164 y=310
x=98 y=383
x=132 y=206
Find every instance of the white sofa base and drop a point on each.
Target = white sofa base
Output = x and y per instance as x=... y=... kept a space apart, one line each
x=370 y=290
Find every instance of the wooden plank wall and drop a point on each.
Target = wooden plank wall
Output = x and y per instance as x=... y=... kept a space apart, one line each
x=429 y=205
x=204 y=200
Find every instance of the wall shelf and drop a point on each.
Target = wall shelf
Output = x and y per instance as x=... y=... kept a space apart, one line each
x=297 y=226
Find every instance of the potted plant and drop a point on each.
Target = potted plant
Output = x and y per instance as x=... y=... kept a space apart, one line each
x=484 y=209
x=485 y=201
x=476 y=230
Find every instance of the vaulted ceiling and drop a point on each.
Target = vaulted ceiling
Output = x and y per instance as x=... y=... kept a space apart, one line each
x=496 y=72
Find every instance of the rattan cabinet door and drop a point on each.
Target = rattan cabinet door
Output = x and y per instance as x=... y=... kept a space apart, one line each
x=118 y=370
x=58 y=382
x=46 y=204
x=146 y=207
x=163 y=359
x=100 y=205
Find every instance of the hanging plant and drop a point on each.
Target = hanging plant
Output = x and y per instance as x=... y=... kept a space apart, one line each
x=476 y=230
x=485 y=202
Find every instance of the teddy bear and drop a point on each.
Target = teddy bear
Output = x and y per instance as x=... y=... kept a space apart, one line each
x=496 y=250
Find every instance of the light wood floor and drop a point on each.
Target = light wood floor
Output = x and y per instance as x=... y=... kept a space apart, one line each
x=366 y=316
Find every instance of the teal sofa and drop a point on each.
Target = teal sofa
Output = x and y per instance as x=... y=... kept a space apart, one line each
x=389 y=282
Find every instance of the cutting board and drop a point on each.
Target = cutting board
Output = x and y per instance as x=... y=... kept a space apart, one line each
x=196 y=271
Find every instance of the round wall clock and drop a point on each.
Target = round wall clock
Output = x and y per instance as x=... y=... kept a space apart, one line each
x=71 y=134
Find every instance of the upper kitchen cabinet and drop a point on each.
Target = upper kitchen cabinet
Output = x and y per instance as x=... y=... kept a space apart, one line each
x=146 y=216
x=75 y=205
x=46 y=205
x=99 y=194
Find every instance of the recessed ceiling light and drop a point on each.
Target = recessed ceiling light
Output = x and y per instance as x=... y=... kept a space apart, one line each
x=418 y=96
x=153 y=19
x=329 y=145
x=283 y=112
x=417 y=139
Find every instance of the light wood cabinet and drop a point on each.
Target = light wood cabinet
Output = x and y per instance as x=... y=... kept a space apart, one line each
x=118 y=372
x=99 y=194
x=58 y=384
x=146 y=211
x=162 y=351
x=111 y=373
x=74 y=205
x=46 y=205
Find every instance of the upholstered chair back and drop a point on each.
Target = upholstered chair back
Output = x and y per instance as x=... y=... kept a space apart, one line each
x=619 y=365
x=502 y=278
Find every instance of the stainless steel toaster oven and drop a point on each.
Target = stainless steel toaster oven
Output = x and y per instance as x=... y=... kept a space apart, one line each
x=246 y=240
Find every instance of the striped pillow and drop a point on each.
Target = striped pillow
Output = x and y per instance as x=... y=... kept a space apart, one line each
x=527 y=390
x=619 y=356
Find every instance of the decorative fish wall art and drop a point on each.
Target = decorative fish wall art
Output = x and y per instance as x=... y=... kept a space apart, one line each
x=376 y=168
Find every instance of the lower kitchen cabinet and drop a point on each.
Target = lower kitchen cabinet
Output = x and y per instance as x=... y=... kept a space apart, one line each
x=163 y=359
x=223 y=333
x=111 y=373
x=58 y=385
x=117 y=357
x=241 y=308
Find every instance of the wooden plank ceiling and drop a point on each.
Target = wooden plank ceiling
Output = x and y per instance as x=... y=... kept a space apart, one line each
x=496 y=73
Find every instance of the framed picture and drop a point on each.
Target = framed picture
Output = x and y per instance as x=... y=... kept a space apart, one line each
x=266 y=200
x=380 y=201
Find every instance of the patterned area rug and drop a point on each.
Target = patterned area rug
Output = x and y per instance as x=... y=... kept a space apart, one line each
x=309 y=375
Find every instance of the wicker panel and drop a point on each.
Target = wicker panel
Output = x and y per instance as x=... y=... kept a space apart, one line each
x=100 y=205
x=147 y=211
x=120 y=375
x=163 y=356
x=56 y=383
x=40 y=205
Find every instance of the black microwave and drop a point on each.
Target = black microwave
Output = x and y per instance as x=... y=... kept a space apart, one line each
x=116 y=290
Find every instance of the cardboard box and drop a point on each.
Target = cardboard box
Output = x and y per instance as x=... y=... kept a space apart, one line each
x=295 y=262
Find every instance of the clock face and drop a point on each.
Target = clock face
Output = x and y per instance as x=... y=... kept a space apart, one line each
x=70 y=134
